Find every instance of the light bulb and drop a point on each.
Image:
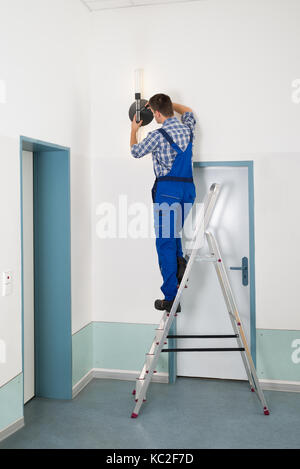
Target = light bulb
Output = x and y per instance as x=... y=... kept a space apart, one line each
x=138 y=81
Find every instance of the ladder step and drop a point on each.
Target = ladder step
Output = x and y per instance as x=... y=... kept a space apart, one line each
x=214 y=256
x=203 y=350
x=203 y=336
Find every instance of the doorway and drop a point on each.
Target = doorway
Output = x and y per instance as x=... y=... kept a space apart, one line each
x=46 y=270
x=204 y=308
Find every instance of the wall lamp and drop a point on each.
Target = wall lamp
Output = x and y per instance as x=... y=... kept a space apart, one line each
x=139 y=107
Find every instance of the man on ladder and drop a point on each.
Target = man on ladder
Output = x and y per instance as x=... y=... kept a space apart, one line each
x=173 y=192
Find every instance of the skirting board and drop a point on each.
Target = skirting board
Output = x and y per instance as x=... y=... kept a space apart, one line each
x=286 y=386
x=125 y=375
x=128 y=375
x=14 y=427
x=78 y=387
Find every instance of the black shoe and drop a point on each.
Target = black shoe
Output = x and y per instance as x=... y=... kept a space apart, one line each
x=164 y=305
x=181 y=266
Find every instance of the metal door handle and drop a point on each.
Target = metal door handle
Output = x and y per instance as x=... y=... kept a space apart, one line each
x=244 y=270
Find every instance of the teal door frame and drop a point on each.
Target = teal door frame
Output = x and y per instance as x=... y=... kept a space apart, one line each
x=52 y=266
x=172 y=342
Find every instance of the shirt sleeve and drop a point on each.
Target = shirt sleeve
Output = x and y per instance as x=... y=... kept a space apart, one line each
x=188 y=119
x=146 y=146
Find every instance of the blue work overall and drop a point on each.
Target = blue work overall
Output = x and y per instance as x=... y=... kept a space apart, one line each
x=173 y=196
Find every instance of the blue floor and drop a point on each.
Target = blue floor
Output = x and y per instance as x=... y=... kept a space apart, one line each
x=193 y=413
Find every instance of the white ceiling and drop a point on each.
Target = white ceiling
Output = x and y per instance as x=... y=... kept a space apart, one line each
x=96 y=5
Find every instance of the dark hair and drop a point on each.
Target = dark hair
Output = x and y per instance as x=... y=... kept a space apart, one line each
x=163 y=104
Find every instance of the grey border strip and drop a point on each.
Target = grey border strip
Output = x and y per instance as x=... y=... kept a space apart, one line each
x=80 y=385
x=14 y=427
x=127 y=375
x=283 y=387
x=104 y=373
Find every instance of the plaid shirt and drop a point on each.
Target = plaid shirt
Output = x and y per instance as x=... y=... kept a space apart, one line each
x=163 y=154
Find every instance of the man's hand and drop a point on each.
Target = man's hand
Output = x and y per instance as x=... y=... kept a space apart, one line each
x=134 y=128
x=134 y=125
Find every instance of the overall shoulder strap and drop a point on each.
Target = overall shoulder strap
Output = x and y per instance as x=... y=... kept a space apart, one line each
x=170 y=140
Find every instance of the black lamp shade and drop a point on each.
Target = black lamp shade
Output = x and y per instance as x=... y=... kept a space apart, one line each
x=146 y=114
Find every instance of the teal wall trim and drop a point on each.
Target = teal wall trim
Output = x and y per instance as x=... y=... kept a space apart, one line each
x=252 y=260
x=53 y=336
x=123 y=346
x=202 y=164
x=30 y=144
x=11 y=402
x=82 y=353
x=113 y=346
x=278 y=355
x=52 y=280
x=250 y=166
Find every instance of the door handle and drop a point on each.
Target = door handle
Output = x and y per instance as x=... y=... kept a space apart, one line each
x=244 y=270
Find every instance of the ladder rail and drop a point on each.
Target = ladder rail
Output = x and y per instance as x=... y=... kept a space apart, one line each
x=229 y=301
x=165 y=324
x=209 y=205
x=146 y=375
x=141 y=395
x=232 y=302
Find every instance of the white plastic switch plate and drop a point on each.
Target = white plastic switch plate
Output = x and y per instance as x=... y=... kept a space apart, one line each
x=7 y=283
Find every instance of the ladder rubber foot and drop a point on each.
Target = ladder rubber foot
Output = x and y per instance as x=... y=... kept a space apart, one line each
x=134 y=416
x=134 y=392
x=266 y=411
x=252 y=390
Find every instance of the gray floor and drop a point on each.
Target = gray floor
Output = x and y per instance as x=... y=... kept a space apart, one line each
x=193 y=413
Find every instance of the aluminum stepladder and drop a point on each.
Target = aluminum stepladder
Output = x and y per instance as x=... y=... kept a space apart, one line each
x=162 y=333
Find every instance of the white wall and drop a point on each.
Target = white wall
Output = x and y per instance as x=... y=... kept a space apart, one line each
x=233 y=62
x=44 y=60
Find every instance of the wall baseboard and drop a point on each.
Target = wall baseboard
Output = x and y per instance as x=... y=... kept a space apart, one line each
x=128 y=375
x=78 y=387
x=14 y=427
x=104 y=373
x=286 y=386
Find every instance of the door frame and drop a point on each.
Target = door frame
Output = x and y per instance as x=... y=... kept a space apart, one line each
x=38 y=146
x=250 y=166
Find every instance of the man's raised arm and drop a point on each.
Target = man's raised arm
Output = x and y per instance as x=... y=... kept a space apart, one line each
x=134 y=128
x=181 y=109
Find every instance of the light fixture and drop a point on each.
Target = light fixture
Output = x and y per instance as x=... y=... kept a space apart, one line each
x=139 y=106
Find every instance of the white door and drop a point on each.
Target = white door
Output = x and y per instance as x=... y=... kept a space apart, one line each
x=203 y=307
x=28 y=276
